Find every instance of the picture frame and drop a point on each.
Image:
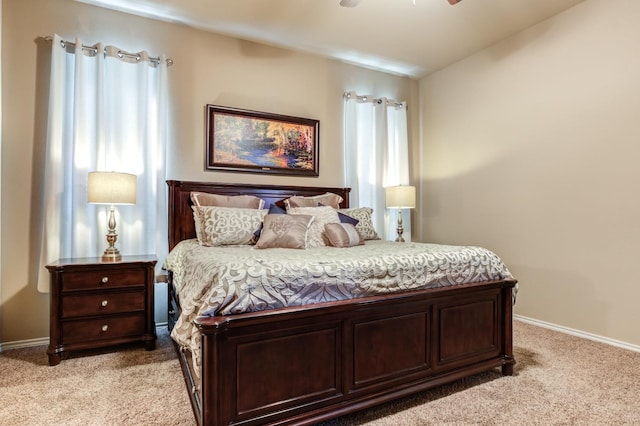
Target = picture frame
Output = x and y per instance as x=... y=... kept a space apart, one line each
x=240 y=140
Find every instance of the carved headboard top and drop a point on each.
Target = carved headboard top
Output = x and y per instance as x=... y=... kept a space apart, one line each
x=181 y=226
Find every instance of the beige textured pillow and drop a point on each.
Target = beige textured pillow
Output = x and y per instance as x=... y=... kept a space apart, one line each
x=221 y=226
x=322 y=215
x=326 y=199
x=343 y=235
x=284 y=231
x=365 y=224
x=216 y=200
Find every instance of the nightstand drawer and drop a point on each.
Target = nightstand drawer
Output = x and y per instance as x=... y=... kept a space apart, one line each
x=102 y=303
x=117 y=278
x=102 y=328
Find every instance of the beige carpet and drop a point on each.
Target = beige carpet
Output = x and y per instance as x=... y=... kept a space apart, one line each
x=126 y=387
x=559 y=380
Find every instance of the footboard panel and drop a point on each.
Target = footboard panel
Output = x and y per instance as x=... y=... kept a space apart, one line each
x=308 y=358
x=389 y=347
x=308 y=364
x=467 y=329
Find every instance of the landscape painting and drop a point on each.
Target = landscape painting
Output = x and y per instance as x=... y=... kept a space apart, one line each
x=250 y=141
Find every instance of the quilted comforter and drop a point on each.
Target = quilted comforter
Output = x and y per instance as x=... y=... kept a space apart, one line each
x=233 y=279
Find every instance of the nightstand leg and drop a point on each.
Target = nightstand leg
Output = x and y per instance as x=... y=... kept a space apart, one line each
x=54 y=359
x=150 y=341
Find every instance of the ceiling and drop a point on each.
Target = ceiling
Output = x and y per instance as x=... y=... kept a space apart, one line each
x=405 y=37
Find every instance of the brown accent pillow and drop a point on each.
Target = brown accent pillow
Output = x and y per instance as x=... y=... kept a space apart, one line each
x=204 y=199
x=343 y=235
x=326 y=199
x=284 y=231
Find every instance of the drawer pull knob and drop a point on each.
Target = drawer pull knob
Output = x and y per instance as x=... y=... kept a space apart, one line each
x=104 y=303
x=105 y=327
x=105 y=280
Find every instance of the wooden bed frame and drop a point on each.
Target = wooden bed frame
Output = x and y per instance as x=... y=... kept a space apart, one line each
x=303 y=365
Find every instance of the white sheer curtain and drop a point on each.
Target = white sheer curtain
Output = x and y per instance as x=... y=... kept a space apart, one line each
x=376 y=156
x=107 y=112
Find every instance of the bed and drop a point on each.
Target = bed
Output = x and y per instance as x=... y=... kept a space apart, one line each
x=308 y=363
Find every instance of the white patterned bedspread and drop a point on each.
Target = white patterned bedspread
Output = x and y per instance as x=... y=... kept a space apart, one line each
x=233 y=279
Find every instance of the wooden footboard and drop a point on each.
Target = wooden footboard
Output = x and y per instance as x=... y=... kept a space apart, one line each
x=308 y=364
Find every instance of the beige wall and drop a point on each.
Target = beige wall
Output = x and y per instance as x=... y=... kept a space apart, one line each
x=208 y=69
x=531 y=148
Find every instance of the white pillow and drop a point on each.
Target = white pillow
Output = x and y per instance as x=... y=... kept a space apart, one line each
x=322 y=215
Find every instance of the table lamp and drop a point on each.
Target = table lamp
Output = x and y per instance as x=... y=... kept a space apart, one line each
x=400 y=197
x=111 y=188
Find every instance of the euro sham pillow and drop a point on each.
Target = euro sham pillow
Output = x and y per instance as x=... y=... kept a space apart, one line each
x=343 y=235
x=365 y=221
x=322 y=215
x=284 y=231
x=221 y=226
x=326 y=199
x=203 y=199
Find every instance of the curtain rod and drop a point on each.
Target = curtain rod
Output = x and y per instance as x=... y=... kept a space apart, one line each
x=379 y=101
x=121 y=53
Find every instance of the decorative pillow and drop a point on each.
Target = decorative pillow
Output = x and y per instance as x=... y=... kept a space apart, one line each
x=343 y=235
x=284 y=231
x=326 y=199
x=203 y=199
x=196 y=222
x=219 y=226
x=344 y=218
x=273 y=209
x=322 y=216
x=365 y=224
x=347 y=219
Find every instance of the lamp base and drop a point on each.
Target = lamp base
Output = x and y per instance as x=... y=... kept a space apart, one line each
x=399 y=229
x=111 y=254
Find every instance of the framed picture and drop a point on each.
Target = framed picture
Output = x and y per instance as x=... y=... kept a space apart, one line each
x=249 y=141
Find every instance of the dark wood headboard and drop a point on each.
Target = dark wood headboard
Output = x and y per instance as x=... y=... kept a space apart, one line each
x=181 y=226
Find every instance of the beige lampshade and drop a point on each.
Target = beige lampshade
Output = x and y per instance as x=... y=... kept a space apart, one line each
x=111 y=188
x=401 y=197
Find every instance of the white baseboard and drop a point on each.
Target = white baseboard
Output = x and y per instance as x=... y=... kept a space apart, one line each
x=24 y=343
x=43 y=341
x=578 y=333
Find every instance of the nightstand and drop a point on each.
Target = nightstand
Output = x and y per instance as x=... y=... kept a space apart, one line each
x=96 y=304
